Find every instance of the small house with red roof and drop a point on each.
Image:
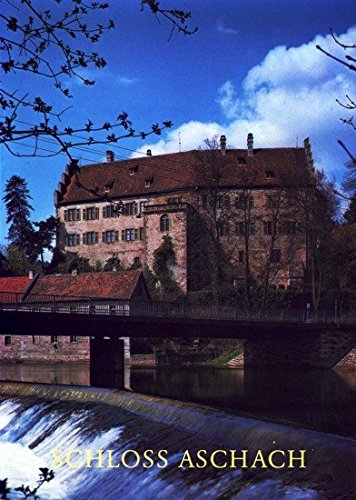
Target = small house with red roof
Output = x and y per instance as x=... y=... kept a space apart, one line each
x=14 y=288
x=118 y=288
x=114 y=285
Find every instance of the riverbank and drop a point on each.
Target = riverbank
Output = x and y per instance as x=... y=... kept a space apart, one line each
x=231 y=359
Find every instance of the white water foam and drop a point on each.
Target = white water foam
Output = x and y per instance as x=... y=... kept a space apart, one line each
x=21 y=466
x=24 y=425
x=7 y=412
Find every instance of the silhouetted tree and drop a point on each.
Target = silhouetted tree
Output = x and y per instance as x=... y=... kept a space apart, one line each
x=350 y=213
x=46 y=475
x=113 y=264
x=339 y=270
x=349 y=183
x=319 y=205
x=40 y=41
x=18 y=264
x=42 y=239
x=31 y=239
x=68 y=262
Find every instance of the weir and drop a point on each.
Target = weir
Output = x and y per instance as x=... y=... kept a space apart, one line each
x=36 y=419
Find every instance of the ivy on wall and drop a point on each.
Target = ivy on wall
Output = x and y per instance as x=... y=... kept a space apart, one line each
x=160 y=280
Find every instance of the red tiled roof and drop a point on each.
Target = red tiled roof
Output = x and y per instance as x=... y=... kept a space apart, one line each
x=17 y=284
x=11 y=286
x=185 y=170
x=119 y=285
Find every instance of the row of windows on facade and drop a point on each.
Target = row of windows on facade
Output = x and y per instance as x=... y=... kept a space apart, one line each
x=132 y=234
x=111 y=211
x=242 y=201
x=54 y=339
x=269 y=228
x=112 y=236
x=108 y=211
x=275 y=256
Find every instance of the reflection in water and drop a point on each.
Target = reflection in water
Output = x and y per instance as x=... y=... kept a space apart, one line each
x=314 y=398
x=320 y=399
x=70 y=374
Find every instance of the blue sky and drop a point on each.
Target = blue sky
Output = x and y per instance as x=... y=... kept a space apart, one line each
x=251 y=67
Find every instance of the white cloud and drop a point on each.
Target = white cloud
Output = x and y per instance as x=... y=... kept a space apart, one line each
x=125 y=81
x=298 y=66
x=220 y=26
x=227 y=99
x=291 y=93
x=190 y=135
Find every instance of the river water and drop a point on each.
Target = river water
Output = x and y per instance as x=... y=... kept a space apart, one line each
x=323 y=400
x=247 y=410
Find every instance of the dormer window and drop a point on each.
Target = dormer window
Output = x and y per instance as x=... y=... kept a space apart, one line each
x=133 y=170
x=269 y=174
x=108 y=186
x=149 y=181
x=241 y=161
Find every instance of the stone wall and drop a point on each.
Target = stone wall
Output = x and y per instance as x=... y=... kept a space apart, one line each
x=38 y=348
x=349 y=361
x=322 y=350
x=148 y=232
x=126 y=251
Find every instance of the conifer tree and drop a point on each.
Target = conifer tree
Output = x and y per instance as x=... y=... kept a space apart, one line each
x=18 y=210
x=350 y=214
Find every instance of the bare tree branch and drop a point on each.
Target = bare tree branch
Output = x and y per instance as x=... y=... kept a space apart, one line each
x=40 y=42
x=348 y=65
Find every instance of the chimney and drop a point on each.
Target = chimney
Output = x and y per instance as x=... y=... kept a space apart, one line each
x=109 y=156
x=223 y=144
x=114 y=269
x=149 y=152
x=30 y=275
x=74 y=272
x=250 y=144
x=308 y=154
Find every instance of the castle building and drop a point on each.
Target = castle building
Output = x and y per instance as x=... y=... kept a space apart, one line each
x=249 y=201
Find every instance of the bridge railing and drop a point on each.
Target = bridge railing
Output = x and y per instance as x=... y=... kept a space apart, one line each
x=100 y=306
x=184 y=310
